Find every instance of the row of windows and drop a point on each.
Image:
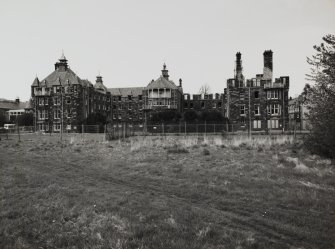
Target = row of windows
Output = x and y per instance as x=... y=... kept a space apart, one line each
x=257 y=124
x=129 y=97
x=274 y=109
x=130 y=107
x=56 y=127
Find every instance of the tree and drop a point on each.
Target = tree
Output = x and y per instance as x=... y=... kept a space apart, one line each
x=320 y=99
x=190 y=116
x=26 y=119
x=165 y=117
x=2 y=119
x=212 y=116
x=95 y=119
x=204 y=89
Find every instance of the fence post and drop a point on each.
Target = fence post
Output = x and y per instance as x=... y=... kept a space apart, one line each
x=214 y=128
x=163 y=128
x=18 y=131
x=185 y=128
x=205 y=127
x=196 y=128
x=179 y=127
x=124 y=131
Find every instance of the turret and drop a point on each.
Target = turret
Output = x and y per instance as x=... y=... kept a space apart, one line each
x=62 y=64
x=165 y=72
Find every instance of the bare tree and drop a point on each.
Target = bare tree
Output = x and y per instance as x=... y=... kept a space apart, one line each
x=204 y=89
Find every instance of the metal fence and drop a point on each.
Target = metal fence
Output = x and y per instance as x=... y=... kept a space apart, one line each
x=123 y=130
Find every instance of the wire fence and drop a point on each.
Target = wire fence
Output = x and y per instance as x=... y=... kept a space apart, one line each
x=123 y=130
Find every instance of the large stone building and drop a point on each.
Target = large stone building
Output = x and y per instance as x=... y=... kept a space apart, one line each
x=63 y=100
x=258 y=103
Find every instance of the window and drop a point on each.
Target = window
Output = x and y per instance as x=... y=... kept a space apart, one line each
x=41 y=101
x=214 y=105
x=139 y=97
x=41 y=127
x=242 y=121
x=41 y=114
x=114 y=116
x=257 y=124
x=202 y=105
x=273 y=94
x=274 y=109
x=191 y=105
x=56 y=126
x=242 y=110
x=273 y=124
x=241 y=96
x=185 y=105
x=56 y=101
x=57 y=114
x=256 y=94
x=119 y=116
x=68 y=101
x=75 y=89
x=57 y=89
x=129 y=97
x=257 y=110
x=219 y=104
x=114 y=107
x=46 y=101
x=119 y=98
x=129 y=106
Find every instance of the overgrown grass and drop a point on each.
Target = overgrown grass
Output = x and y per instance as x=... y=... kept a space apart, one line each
x=165 y=192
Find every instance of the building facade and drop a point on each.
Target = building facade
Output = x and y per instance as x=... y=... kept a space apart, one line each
x=298 y=114
x=62 y=100
x=258 y=103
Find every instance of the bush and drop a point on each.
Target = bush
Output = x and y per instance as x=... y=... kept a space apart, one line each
x=206 y=152
x=165 y=117
x=191 y=116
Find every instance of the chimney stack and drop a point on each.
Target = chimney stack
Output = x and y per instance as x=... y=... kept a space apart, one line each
x=268 y=65
x=180 y=83
x=239 y=76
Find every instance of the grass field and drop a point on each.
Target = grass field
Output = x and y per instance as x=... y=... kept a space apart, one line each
x=156 y=192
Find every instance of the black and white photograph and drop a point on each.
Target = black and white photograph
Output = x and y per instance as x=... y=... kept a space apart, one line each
x=167 y=124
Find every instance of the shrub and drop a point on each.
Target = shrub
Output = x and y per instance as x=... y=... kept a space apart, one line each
x=206 y=152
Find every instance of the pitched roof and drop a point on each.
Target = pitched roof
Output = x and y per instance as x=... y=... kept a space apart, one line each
x=162 y=82
x=63 y=77
x=36 y=82
x=13 y=105
x=100 y=86
x=125 y=91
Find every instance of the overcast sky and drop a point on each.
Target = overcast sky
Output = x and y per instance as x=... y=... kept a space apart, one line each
x=128 y=41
